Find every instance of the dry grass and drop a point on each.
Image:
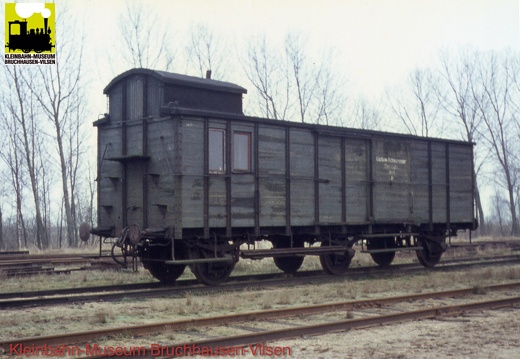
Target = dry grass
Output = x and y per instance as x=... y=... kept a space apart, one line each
x=159 y=307
x=67 y=318
x=283 y=298
x=265 y=303
x=84 y=278
x=244 y=267
x=479 y=290
x=512 y=273
x=102 y=316
x=34 y=321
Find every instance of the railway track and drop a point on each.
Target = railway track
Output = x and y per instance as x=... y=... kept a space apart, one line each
x=11 y=253
x=20 y=265
x=61 y=269
x=237 y=283
x=276 y=314
x=254 y=342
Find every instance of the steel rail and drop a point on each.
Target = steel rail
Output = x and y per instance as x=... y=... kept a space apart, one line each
x=152 y=293
x=127 y=288
x=48 y=257
x=13 y=262
x=20 y=255
x=24 y=267
x=87 y=336
x=242 y=282
x=82 y=290
x=263 y=276
x=213 y=345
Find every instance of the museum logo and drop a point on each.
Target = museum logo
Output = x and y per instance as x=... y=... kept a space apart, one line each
x=30 y=34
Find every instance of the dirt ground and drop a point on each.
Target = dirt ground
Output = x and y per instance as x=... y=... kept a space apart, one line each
x=486 y=334
x=482 y=334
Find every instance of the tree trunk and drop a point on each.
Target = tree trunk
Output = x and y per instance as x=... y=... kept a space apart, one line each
x=1 y=231
x=515 y=230
x=71 y=240
x=26 y=121
x=480 y=212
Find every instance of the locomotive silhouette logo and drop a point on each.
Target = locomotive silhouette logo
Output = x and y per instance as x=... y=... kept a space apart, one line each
x=30 y=28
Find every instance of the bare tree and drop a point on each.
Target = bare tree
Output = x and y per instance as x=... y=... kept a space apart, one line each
x=330 y=97
x=265 y=71
x=144 y=38
x=205 y=52
x=21 y=108
x=366 y=115
x=499 y=214
x=455 y=94
x=302 y=75
x=59 y=94
x=292 y=85
x=2 y=245
x=515 y=103
x=493 y=95
x=12 y=156
x=417 y=108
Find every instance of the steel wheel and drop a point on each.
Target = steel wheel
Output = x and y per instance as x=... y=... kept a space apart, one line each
x=166 y=273
x=336 y=263
x=287 y=264
x=154 y=258
x=383 y=259
x=210 y=273
x=425 y=257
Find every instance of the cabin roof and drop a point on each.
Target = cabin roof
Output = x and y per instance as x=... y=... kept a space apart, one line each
x=177 y=79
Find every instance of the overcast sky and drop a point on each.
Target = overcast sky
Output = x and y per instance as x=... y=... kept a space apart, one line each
x=376 y=42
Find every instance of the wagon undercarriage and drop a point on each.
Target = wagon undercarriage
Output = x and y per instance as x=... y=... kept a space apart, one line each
x=212 y=260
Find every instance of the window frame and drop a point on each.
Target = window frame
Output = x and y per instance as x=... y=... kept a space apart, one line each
x=222 y=158
x=239 y=146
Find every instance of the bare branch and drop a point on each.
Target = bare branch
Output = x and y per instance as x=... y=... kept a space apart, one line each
x=145 y=40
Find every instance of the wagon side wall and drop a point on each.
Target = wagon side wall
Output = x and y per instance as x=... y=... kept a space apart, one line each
x=301 y=178
x=293 y=178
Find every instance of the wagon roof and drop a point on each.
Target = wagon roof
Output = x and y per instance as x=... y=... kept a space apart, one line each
x=177 y=79
x=168 y=110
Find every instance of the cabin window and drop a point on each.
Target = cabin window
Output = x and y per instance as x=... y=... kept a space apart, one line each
x=242 y=152
x=15 y=29
x=217 y=150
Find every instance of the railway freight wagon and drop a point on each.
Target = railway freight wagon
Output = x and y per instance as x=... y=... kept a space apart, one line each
x=185 y=179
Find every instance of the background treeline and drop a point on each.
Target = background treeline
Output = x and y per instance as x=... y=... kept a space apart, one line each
x=47 y=159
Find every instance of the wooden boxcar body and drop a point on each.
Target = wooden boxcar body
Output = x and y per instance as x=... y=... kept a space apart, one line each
x=178 y=163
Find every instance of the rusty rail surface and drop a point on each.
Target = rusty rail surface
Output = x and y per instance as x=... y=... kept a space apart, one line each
x=211 y=346
x=236 y=283
x=34 y=264
x=88 y=336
